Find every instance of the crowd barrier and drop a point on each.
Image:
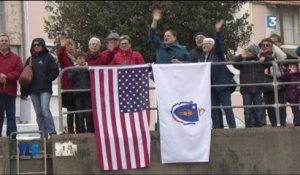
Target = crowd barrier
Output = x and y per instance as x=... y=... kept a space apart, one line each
x=275 y=84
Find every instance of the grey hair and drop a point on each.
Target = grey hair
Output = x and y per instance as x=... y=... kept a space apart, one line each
x=97 y=40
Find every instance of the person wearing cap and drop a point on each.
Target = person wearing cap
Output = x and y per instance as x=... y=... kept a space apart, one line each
x=292 y=91
x=127 y=56
x=197 y=51
x=267 y=48
x=10 y=70
x=213 y=51
x=252 y=73
x=45 y=70
x=168 y=51
x=94 y=56
x=112 y=46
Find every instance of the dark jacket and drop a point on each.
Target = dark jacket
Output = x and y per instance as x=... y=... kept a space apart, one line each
x=220 y=74
x=164 y=52
x=80 y=79
x=292 y=91
x=45 y=70
x=251 y=73
x=196 y=54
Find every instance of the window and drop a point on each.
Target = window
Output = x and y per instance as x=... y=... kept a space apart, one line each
x=16 y=49
x=287 y=23
x=1 y=16
x=289 y=29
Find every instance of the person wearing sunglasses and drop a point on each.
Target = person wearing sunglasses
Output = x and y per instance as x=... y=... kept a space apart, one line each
x=10 y=70
x=268 y=48
x=127 y=55
x=45 y=70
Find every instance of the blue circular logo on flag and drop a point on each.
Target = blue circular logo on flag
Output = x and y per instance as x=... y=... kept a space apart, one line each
x=186 y=112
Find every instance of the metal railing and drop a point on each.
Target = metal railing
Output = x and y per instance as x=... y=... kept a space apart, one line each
x=275 y=84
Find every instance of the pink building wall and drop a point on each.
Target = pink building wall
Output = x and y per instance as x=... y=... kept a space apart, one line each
x=36 y=15
x=259 y=13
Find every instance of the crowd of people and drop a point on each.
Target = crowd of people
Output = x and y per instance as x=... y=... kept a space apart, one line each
x=168 y=51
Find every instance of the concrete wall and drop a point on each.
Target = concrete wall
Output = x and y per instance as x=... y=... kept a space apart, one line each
x=233 y=151
x=238 y=151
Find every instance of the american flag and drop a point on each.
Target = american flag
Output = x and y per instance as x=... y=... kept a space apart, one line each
x=120 y=103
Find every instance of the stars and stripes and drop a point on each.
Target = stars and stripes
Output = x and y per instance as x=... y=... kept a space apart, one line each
x=120 y=103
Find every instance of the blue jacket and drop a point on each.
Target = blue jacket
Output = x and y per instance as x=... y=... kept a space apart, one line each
x=164 y=52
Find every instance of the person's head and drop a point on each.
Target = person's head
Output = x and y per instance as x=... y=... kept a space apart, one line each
x=80 y=58
x=266 y=45
x=276 y=39
x=208 y=45
x=4 y=42
x=113 y=39
x=170 y=36
x=38 y=45
x=252 y=50
x=298 y=51
x=199 y=37
x=125 y=42
x=293 y=66
x=94 y=44
x=70 y=46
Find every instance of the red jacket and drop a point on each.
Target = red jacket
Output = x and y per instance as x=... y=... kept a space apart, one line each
x=128 y=57
x=64 y=62
x=11 y=65
x=103 y=58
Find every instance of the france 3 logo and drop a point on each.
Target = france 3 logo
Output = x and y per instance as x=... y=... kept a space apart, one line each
x=271 y=22
x=186 y=112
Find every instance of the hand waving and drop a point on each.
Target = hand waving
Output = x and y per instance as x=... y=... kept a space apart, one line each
x=219 y=25
x=157 y=14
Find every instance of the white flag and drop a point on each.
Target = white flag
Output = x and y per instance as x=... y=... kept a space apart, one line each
x=184 y=111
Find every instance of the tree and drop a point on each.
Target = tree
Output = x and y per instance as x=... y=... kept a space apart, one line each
x=84 y=19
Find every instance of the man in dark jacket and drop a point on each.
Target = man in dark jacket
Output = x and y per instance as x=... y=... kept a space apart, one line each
x=252 y=73
x=10 y=69
x=213 y=51
x=197 y=51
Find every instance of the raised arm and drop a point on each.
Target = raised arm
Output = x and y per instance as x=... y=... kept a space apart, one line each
x=152 y=31
x=219 y=45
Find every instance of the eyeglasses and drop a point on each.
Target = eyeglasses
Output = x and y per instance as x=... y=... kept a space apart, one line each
x=124 y=43
x=34 y=45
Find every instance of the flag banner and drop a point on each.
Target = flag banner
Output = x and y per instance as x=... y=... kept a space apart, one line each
x=121 y=111
x=184 y=111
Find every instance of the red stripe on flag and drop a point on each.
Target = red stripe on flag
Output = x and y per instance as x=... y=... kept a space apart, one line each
x=126 y=149
x=144 y=139
x=96 y=122
x=104 y=117
x=125 y=137
x=113 y=118
x=134 y=138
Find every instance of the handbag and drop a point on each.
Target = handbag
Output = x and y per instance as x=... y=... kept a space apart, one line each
x=26 y=76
